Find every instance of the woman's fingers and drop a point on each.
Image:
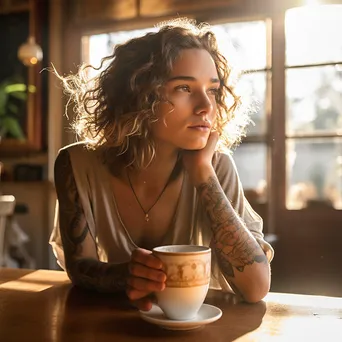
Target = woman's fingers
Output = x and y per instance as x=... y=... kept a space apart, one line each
x=145 y=285
x=134 y=294
x=145 y=257
x=212 y=141
x=141 y=271
x=144 y=304
x=146 y=277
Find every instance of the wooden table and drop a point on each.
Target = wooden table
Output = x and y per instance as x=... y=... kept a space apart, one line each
x=43 y=306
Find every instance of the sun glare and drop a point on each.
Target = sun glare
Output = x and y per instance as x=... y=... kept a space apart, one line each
x=312 y=301
x=33 y=282
x=310 y=33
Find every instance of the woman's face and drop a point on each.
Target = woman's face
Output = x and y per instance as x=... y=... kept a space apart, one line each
x=186 y=119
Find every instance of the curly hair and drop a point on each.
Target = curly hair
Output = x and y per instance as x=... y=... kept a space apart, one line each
x=115 y=109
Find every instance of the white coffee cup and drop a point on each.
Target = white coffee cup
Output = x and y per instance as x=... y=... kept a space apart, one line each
x=187 y=270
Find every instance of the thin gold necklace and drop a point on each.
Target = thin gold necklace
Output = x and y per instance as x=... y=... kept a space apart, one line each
x=147 y=217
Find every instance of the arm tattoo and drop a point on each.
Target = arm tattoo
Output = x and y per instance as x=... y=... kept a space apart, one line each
x=74 y=228
x=234 y=244
x=83 y=266
x=99 y=276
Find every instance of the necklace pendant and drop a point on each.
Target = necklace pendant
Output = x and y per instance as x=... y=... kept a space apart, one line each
x=147 y=218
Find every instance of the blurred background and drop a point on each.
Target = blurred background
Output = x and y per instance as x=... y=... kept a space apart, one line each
x=289 y=55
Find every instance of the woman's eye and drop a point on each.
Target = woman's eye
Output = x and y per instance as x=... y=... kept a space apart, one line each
x=183 y=88
x=214 y=91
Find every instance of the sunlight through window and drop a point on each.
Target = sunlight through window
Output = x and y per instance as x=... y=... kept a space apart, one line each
x=313 y=34
x=35 y=282
x=314 y=106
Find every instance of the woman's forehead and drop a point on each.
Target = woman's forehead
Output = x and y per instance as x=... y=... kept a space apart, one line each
x=194 y=63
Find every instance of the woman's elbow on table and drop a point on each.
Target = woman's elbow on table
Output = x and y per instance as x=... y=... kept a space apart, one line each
x=255 y=296
x=257 y=290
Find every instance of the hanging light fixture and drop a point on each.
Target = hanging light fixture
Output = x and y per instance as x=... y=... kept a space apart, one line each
x=30 y=53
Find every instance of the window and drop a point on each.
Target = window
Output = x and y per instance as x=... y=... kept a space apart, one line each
x=245 y=45
x=96 y=47
x=314 y=106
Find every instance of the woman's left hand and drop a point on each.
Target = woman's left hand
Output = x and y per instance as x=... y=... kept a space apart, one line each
x=198 y=163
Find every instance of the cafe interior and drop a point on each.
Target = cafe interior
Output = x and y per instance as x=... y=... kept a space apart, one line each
x=288 y=54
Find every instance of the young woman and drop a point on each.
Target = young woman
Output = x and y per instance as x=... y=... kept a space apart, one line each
x=148 y=174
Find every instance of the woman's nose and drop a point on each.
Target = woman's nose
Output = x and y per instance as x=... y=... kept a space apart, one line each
x=204 y=104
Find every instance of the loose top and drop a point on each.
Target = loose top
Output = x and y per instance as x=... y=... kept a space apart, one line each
x=190 y=223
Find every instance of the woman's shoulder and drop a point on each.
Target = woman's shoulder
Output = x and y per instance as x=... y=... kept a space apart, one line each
x=78 y=154
x=79 y=150
x=225 y=168
x=78 y=147
x=223 y=161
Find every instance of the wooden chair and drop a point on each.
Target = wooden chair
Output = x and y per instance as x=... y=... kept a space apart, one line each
x=7 y=205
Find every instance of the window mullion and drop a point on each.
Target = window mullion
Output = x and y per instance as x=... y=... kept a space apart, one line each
x=277 y=150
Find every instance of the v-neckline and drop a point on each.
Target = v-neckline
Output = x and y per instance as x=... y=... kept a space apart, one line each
x=172 y=223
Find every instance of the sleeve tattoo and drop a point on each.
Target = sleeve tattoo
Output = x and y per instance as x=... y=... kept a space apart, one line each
x=234 y=244
x=79 y=247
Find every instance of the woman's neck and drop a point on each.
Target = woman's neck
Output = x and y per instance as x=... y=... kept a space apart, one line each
x=159 y=170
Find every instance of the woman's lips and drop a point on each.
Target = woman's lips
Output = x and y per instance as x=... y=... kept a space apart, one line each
x=200 y=128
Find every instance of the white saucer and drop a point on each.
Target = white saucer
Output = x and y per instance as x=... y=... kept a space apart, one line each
x=206 y=314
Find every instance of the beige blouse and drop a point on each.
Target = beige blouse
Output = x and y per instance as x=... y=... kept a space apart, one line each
x=190 y=224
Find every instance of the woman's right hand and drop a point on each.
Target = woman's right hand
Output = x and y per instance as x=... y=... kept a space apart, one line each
x=145 y=277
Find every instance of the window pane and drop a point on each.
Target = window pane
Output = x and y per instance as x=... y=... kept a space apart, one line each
x=101 y=45
x=250 y=160
x=314 y=172
x=252 y=87
x=248 y=40
x=313 y=34
x=314 y=100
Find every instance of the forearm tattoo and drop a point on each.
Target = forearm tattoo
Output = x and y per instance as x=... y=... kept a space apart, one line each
x=82 y=263
x=234 y=244
x=99 y=276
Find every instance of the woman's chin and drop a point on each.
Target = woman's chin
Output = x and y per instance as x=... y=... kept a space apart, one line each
x=196 y=146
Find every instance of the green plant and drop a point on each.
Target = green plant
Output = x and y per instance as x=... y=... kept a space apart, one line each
x=13 y=97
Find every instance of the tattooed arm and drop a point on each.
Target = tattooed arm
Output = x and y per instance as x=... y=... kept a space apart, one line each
x=82 y=264
x=240 y=257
